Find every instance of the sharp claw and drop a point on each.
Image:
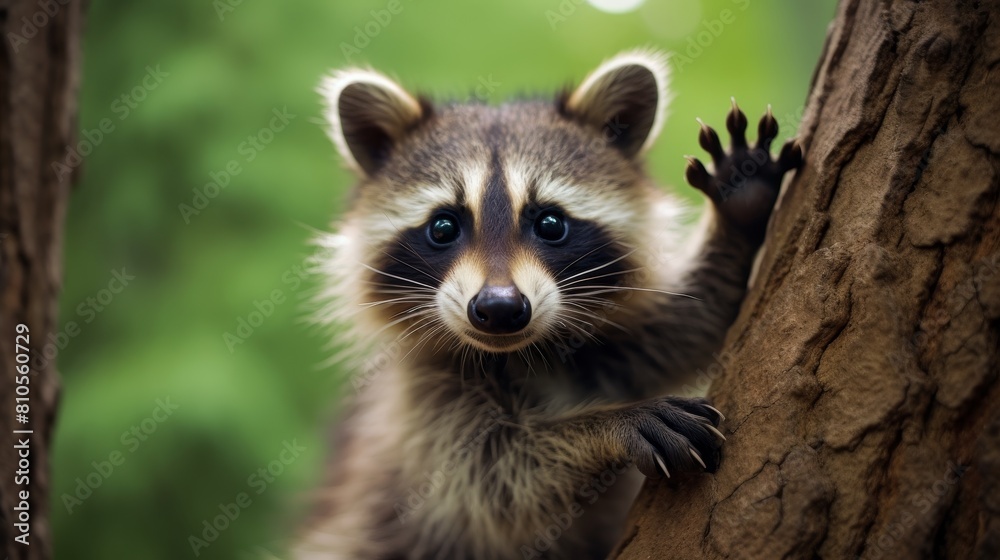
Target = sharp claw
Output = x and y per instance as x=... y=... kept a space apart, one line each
x=722 y=417
x=736 y=123
x=791 y=156
x=704 y=129
x=694 y=163
x=697 y=458
x=716 y=432
x=709 y=141
x=767 y=130
x=659 y=461
x=698 y=177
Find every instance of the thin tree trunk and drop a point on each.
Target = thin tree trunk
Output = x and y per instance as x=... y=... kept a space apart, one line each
x=860 y=380
x=39 y=74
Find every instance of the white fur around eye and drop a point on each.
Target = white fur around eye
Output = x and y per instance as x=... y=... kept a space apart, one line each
x=401 y=211
x=620 y=212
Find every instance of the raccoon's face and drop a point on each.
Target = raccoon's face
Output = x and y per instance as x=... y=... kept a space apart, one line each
x=496 y=227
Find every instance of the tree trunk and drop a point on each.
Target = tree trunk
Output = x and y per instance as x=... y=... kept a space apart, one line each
x=39 y=75
x=860 y=379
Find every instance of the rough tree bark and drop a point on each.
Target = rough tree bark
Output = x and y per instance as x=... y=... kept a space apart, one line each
x=860 y=380
x=39 y=66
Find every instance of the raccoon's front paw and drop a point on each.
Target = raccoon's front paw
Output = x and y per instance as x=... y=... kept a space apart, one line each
x=746 y=180
x=672 y=434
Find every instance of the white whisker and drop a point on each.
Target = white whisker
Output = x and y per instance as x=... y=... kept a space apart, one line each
x=404 y=279
x=596 y=268
x=606 y=289
x=590 y=252
x=616 y=273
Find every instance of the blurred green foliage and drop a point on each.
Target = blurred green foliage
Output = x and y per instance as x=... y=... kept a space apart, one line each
x=216 y=75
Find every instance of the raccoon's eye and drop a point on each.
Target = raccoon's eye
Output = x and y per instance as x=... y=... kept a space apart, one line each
x=551 y=227
x=443 y=230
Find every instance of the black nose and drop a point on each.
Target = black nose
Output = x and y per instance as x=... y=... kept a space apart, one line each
x=499 y=310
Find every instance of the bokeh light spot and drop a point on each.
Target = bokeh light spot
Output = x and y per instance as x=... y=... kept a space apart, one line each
x=616 y=6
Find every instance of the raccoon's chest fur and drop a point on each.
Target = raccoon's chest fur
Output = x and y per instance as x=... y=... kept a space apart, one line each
x=438 y=466
x=452 y=485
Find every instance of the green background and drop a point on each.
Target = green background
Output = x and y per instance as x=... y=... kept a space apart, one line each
x=226 y=71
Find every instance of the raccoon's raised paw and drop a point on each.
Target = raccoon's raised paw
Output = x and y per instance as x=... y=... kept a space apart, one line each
x=672 y=434
x=746 y=181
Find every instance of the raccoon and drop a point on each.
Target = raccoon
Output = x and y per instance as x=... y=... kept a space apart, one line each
x=524 y=297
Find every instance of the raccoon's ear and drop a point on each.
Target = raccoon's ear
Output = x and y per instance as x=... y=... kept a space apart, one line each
x=368 y=114
x=625 y=99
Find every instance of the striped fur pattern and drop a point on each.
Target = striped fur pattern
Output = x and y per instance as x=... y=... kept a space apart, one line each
x=529 y=444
